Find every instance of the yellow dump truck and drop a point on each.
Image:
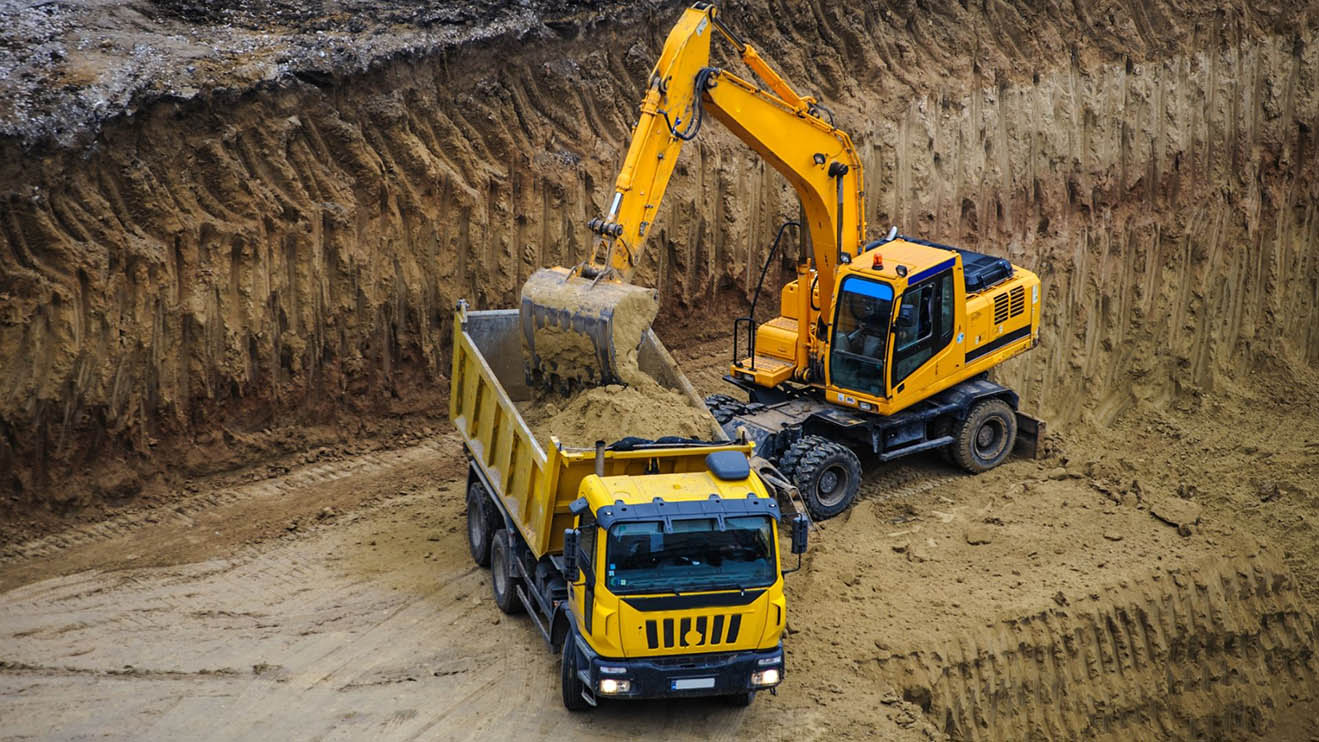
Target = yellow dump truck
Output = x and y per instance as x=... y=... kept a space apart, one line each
x=652 y=567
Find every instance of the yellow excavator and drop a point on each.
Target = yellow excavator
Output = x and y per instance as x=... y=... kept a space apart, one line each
x=881 y=346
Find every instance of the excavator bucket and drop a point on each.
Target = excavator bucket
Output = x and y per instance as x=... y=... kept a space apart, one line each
x=579 y=332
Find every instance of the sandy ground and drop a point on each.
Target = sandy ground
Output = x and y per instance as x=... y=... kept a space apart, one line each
x=337 y=600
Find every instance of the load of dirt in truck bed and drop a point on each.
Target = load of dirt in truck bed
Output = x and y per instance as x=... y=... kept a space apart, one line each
x=609 y=413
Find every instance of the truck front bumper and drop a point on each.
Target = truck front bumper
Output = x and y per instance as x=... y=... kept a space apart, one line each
x=725 y=673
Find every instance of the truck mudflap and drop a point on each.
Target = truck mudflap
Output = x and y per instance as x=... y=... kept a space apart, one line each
x=720 y=674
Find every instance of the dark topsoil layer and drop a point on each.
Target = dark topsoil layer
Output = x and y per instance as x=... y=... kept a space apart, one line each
x=67 y=66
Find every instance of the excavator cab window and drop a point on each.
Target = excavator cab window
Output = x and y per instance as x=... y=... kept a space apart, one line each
x=860 y=341
x=924 y=324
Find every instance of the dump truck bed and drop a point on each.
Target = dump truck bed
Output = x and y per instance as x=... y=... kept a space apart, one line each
x=536 y=486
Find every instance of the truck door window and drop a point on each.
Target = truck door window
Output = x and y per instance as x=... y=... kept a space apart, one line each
x=856 y=352
x=586 y=540
x=924 y=324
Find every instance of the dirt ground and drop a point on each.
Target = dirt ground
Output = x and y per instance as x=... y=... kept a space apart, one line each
x=232 y=235
x=337 y=600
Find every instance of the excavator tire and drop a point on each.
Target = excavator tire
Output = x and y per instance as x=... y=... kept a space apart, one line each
x=481 y=524
x=986 y=436
x=724 y=407
x=502 y=579
x=827 y=474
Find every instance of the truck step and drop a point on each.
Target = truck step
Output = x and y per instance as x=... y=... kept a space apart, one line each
x=533 y=610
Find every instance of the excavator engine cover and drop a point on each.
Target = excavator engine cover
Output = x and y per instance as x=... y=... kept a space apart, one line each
x=579 y=332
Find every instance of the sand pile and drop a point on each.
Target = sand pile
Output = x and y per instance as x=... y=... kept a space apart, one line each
x=609 y=413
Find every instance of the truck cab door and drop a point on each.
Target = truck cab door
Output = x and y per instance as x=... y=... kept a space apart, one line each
x=924 y=322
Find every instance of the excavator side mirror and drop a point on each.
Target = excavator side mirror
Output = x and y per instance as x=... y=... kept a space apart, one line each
x=570 y=569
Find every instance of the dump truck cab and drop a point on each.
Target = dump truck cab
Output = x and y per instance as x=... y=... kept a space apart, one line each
x=677 y=584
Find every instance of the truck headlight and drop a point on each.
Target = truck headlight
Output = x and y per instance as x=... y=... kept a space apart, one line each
x=766 y=677
x=612 y=686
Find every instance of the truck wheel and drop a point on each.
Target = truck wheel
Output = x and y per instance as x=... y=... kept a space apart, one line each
x=568 y=680
x=826 y=473
x=723 y=407
x=987 y=436
x=480 y=523
x=502 y=578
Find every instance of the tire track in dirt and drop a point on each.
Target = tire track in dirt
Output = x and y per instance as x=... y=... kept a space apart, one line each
x=183 y=511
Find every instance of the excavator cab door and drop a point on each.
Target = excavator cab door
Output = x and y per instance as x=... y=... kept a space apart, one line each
x=860 y=340
x=922 y=330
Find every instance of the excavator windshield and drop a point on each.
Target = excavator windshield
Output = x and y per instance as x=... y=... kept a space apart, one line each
x=861 y=325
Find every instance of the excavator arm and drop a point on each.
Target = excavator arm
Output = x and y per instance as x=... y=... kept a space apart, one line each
x=579 y=323
x=781 y=126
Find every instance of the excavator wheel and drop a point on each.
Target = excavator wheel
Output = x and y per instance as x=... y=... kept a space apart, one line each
x=986 y=437
x=827 y=474
x=502 y=579
x=480 y=524
x=724 y=407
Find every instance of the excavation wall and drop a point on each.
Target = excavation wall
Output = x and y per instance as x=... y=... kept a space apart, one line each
x=250 y=257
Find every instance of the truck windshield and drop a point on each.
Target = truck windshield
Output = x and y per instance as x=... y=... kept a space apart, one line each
x=695 y=555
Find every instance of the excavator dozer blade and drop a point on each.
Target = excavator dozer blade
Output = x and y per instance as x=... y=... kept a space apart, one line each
x=576 y=332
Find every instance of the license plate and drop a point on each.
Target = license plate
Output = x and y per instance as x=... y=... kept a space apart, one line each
x=693 y=683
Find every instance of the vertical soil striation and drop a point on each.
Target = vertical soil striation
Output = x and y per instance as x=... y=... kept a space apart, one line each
x=245 y=259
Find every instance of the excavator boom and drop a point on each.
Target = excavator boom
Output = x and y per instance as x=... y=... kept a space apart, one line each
x=781 y=126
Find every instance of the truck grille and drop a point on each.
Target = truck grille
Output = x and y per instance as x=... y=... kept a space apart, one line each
x=709 y=631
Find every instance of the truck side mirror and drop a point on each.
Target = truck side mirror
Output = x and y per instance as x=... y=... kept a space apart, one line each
x=570 y=569
x=800 y=524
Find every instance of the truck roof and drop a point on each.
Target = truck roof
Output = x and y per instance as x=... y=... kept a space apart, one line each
x=689 y=487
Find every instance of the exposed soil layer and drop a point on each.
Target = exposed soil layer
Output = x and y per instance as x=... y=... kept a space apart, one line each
x=278 y=254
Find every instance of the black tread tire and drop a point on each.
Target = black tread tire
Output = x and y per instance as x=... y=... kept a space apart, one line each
x=569 y=683
x=740 y=700
x=724 y=407
x=503 y=583
x=971 y=450
x=481 y=523
x=808 y=459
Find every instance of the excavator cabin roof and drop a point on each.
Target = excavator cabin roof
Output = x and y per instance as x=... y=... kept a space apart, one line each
x=979 y=271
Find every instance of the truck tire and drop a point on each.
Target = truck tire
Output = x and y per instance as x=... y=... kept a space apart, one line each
x=480 y=523
x=827 y=474
x=724 y=407
x=568 y=680
x=503 y=579
x=986 y=437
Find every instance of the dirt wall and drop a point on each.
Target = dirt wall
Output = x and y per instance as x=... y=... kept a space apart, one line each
x=248 y=259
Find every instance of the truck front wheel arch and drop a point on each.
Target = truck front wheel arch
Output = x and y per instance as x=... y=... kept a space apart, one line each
x=559 y=628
